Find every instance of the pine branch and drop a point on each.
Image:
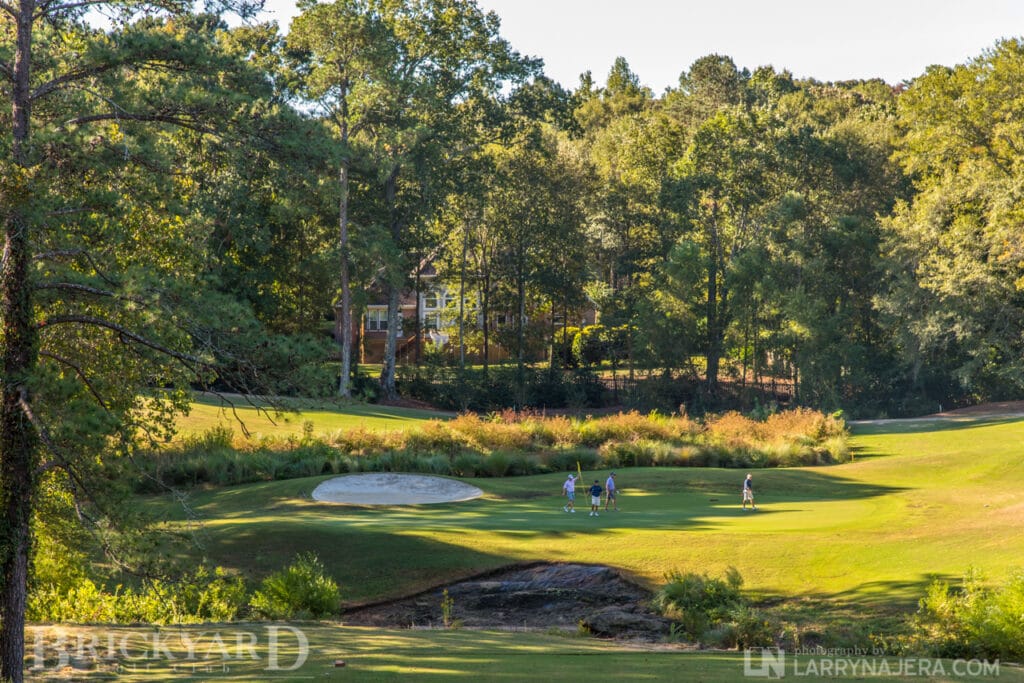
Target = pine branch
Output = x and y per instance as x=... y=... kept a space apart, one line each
x=75 y=287
x=81 y=375
x=175 y=120
x=124 y=333
x=71 y=77
x=96 y=291
x=71 y=253
x=47 y=9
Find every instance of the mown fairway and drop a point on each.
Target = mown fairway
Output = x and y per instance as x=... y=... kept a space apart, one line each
x=923 y=499
x=262 y=419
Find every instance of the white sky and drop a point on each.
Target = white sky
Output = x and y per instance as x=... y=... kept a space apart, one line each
x=824 y=39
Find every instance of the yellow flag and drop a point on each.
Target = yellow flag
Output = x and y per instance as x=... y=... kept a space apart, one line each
x=579 y=471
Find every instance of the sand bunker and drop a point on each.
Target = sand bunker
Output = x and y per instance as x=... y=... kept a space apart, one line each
x=393 y=489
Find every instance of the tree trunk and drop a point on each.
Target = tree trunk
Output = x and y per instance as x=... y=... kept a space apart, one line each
x=18 y=440
x=485 y=308
x=714 y=334
x=387 y=375
x=418 y=315
x=521 y=341
x=344 y=383
x=462 y=298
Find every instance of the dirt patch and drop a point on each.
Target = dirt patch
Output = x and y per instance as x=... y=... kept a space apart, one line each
x=530 y=597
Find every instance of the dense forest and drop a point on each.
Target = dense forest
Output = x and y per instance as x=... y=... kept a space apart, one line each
x=855 y=242
x=188 y=202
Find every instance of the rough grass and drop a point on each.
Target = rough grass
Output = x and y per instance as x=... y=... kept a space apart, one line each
x=479 y=445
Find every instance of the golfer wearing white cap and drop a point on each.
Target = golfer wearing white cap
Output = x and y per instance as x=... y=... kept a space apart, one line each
x=569 y=488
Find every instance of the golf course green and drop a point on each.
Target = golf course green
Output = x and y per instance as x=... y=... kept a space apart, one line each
x=853 y=544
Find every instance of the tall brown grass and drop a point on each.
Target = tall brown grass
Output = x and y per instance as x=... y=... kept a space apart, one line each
x=508 y=444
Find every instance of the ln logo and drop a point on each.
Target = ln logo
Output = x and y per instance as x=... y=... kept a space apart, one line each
x=764 y=663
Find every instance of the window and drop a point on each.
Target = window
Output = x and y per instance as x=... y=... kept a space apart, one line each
x=432 y=321
x=377 y=319
x=430 y=300
x=500 y=320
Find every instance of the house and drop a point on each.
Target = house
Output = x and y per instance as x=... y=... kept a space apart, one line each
x=369 y=334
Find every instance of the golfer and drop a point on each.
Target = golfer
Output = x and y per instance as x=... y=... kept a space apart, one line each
x=610 y=493
x=748 y=492
x=595 y=498
x=569 y=489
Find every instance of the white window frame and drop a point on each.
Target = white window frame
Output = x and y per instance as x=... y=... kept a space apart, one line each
x=377 y=319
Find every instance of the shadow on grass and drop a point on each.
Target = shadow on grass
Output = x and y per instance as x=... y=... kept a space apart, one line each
x=881 y=607
x=367 y=563
x=928 y=425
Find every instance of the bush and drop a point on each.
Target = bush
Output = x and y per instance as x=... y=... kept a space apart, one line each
x=564 y=338
x=698 y=601
x=973 y=621
x=300 y=591
x=589 y=346
x=196 y=597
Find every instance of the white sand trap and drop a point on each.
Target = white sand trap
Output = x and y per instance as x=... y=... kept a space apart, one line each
x=386 y=488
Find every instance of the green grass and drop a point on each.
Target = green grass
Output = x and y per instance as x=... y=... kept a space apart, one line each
x=260 y=418
x=916 y=504
x=835 y=545
x=387 y=655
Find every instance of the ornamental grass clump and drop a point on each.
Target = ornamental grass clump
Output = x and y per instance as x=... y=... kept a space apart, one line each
x=497 y=432
x=631 y=426
x=363 y=441
x=435 y=437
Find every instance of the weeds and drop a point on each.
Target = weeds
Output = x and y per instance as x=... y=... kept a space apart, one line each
x=504 y=444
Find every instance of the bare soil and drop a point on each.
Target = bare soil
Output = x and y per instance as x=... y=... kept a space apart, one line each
x=539 y=596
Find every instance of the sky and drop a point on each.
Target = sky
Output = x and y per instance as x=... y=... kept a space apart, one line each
x=829 y=40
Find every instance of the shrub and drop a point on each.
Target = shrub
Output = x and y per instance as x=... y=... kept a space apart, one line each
x=563 y=341
x=752 y=628
x=973 y=621
x=698 y=601
x=584 y=390
x=301 y=590
x=589 y=346
x=194 y=597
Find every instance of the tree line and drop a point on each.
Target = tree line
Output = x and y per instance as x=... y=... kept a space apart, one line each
x=184 y=201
